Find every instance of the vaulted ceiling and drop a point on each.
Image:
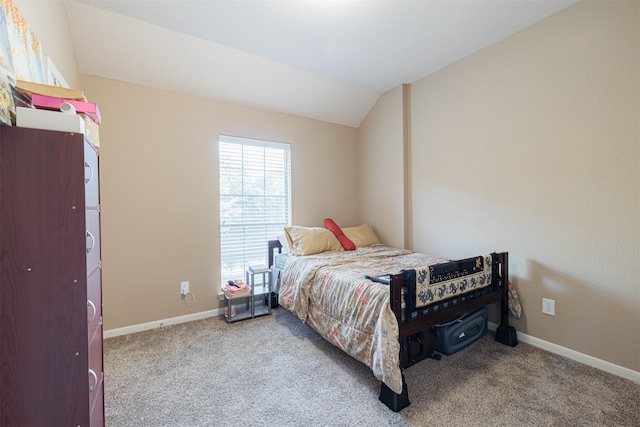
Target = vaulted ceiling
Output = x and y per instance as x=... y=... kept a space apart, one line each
x=323 y=59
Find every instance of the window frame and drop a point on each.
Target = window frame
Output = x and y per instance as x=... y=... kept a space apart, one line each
x=239 y=250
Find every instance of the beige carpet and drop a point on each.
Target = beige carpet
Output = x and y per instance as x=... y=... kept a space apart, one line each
x=276 y=371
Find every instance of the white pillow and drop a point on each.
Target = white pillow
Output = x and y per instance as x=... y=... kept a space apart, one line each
x=284 y=242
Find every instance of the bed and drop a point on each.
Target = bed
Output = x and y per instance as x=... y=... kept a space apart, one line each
x=381 y=304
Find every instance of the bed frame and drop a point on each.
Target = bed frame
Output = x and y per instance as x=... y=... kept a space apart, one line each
x=416 y=326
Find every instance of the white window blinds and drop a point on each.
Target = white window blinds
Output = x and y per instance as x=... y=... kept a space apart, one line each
x=255 y=200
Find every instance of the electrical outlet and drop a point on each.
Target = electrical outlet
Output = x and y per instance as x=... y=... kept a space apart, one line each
x=184 y=288
x=548 y=306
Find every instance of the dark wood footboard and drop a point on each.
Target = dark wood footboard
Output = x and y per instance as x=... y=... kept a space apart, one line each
x=416 y=325
x=414 y=321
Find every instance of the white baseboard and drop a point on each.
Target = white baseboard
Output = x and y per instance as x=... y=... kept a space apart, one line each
x=160 y=323
x=537 y=342
x=574 y=355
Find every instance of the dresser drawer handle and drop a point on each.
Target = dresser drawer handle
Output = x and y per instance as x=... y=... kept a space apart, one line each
x=93 y=315
x=95 y=380
x=88 y=166
x=93 y=242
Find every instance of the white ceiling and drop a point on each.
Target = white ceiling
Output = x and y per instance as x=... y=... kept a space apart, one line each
x=323 y=59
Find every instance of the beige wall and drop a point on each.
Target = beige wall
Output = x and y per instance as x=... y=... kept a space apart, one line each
x=159 y=191
x=380 y=169
x=532 y=145
x=48 y=20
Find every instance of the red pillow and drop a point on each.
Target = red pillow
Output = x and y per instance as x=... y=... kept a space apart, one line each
x=346 y=243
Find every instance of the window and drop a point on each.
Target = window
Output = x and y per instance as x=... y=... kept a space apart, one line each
x=255 y=200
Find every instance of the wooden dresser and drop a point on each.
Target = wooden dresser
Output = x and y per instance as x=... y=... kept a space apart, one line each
x=50 y=280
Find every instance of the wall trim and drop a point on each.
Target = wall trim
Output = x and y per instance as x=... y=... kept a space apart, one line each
x=160 y=323
x=536 y=342
x=407 y=167
x=574 y=355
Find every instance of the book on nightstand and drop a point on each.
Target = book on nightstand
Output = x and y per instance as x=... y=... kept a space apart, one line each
x=235 y=294
x=258 y=269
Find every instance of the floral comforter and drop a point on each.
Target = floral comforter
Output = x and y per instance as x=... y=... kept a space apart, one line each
x=329 y=291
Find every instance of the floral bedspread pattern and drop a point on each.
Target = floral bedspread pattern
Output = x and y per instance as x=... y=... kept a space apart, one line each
x=330 y=293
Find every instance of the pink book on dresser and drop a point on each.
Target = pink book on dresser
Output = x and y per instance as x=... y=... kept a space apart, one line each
x=52 y=103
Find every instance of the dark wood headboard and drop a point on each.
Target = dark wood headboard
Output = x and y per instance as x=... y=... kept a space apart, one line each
x=273 y=246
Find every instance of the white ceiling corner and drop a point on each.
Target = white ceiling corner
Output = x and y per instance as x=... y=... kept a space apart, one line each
x=323 y=59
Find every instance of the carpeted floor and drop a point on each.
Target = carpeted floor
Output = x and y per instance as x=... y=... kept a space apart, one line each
x=210 y=373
